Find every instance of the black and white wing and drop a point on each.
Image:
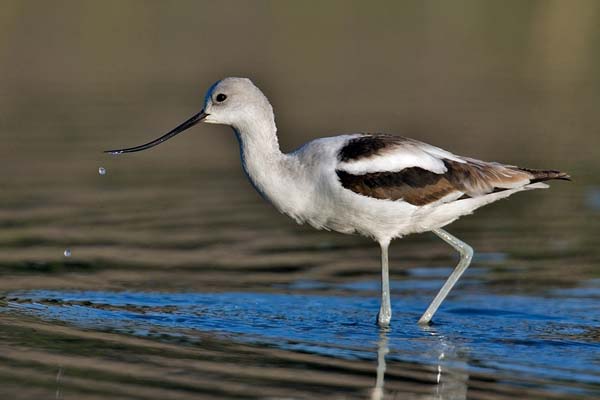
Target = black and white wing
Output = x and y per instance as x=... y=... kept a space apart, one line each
x=390 y=167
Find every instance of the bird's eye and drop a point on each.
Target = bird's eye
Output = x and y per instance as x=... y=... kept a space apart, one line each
x=221 y=97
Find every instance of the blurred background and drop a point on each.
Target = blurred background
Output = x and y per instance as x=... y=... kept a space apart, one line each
x=512 y=81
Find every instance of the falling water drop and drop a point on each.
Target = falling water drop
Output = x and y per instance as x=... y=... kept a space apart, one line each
x=102 y=171
x=67 y=252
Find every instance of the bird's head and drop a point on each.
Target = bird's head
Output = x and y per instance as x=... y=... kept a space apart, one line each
x=232 y=100
x=236 y=102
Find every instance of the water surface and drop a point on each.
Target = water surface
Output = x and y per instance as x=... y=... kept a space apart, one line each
x=258 y=307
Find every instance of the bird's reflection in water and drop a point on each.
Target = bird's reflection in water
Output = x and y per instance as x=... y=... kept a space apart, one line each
x=59 y=374
x=451 y=378
x=382 y=350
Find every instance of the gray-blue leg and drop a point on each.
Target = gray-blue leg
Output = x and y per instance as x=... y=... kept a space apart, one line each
x=385 y=311
x=466 y=254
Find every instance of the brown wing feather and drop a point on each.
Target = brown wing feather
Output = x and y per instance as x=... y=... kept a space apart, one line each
x=414 y=185
x=419 y=186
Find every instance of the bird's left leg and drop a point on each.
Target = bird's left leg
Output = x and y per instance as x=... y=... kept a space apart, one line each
x=385 y=311
x=466 y=254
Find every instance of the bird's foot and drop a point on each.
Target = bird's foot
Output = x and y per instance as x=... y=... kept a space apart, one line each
x=425 y=320
x=384 y=317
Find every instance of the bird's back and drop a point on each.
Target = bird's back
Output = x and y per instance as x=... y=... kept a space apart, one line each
x=397 y=184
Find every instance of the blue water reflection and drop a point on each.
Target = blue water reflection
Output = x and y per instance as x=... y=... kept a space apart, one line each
x=542 y=337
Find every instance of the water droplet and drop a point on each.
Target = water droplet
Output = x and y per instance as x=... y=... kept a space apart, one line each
x=67 y=252
x=102 y=171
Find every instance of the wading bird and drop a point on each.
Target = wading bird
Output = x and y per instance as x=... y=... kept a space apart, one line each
x=380 y=186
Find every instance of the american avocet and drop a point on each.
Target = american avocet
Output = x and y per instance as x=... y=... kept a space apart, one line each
x=380 y=186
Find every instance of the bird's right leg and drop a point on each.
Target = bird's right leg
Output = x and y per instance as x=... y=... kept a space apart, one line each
x=385 y=311
x=466 y=254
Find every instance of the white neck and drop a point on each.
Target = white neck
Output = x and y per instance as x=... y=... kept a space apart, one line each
x=258 y=138
x=269 y=170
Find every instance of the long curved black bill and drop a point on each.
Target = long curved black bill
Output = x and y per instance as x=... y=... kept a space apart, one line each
x=187 y=124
